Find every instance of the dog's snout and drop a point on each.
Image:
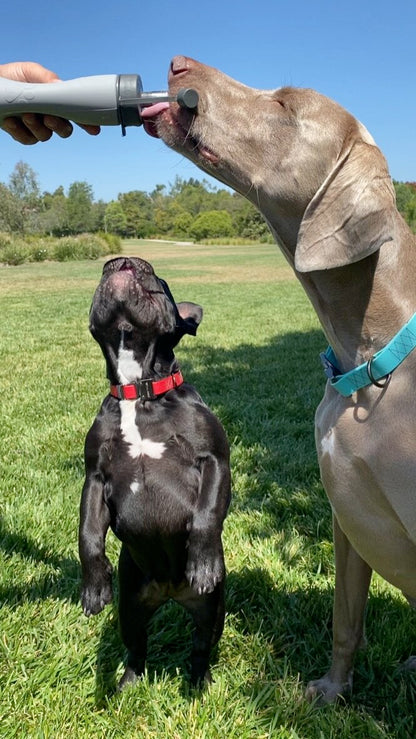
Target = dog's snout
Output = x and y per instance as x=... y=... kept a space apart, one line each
x=137 y=265
x=131 y=264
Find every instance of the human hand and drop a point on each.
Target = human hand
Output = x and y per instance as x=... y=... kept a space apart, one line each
x=32 y=127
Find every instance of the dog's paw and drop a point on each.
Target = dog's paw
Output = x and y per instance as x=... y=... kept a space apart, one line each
x=129 y=677
x=326 y=690
x=200 y=682
x=97 y=593
x=205 y=566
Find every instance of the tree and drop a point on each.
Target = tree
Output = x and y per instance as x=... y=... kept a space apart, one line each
x=23 y=184
x=182 y=224
x=165 y=218
x=115 y=220
x=194 y=196
x=249 y=222
x=79 y=207
x=138 y=209
x=403 y=195
x=406 y=201
x=211 y=224
x=97 y=215
x=410 y=213
x=158 y=196
x=11 y=212
x=53 y=217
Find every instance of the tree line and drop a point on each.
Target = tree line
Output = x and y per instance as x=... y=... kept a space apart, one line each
x=187 y=209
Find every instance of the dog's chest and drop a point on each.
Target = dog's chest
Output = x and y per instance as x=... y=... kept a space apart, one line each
x=152 y=476
x=138 y=445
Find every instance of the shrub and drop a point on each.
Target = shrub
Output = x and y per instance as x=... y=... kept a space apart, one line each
x=39 y=254
x=5 y=240
x=84 y=246
x=39 y=249
x=65 y=249
x=90 y=246
x=113 y=241
x=14 y=253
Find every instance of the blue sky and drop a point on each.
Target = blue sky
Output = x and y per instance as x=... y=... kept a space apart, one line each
x=362 y=54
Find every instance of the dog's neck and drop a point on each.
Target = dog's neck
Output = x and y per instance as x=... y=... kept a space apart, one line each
x=128 y=364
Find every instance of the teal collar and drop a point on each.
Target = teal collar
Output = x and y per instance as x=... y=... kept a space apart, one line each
x=380 y=366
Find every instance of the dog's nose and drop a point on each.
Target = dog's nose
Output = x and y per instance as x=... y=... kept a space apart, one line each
x=180 y=64
x=126 y=264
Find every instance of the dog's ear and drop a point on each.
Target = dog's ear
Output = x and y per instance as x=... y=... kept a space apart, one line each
x=190 y=315
x=352 y=214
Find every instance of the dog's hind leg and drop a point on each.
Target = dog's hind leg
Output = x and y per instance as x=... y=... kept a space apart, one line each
x=352 y=582
x=208 y=613
x=135 y=612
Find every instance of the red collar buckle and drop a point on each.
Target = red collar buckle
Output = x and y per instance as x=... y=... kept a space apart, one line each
x=147 y=389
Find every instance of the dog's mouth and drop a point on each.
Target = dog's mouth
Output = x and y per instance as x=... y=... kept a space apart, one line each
x=150 y=115
x=174 y=125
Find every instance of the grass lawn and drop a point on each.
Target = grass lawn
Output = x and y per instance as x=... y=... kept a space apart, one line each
x=255 y=361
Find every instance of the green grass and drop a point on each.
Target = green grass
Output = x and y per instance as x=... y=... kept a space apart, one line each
x=255 y=362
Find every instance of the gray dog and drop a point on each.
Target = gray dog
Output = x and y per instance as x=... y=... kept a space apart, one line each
x=323 y=186
x=157 y=470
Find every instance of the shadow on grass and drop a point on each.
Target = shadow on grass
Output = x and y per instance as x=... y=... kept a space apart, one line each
x=266 y=398
x=62 y=582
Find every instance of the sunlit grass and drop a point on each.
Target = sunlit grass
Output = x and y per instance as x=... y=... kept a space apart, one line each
x=255 y=362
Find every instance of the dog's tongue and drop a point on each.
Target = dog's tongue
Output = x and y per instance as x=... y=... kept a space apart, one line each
x=149 y=116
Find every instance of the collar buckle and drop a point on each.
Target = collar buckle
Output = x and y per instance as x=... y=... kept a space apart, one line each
x=147 y=389
x=330 y=369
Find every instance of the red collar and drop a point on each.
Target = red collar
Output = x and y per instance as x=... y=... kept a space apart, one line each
x=146 y=389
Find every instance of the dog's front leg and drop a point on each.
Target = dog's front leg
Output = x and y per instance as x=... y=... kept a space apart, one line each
x=205 y=565
x=352 y=581
x=96 y=568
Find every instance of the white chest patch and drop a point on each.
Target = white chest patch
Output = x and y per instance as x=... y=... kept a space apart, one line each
x=129 y=370
x=328 y=443
x=131 y=434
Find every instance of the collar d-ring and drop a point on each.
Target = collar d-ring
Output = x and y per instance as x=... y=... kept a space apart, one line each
x=386 y=379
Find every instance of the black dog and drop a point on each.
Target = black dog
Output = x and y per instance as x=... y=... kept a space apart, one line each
x=157 y=470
